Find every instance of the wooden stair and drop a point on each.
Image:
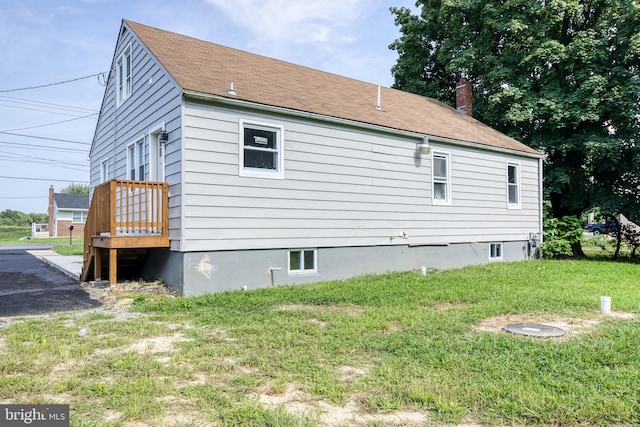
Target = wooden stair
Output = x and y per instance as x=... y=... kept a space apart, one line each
x=126 y=218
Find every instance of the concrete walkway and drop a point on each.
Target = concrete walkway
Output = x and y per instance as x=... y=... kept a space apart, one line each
x=71 y=265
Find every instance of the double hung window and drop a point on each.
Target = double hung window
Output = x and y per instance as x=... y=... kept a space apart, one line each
x=135 y=160
x=513 y=185
x=124 y=75
x=261 y=150
x=441 y=167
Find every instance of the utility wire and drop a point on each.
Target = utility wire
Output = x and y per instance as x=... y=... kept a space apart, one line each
x=49 y=124
x=40 y=147
x=39 y=110
x=44 y=137
x=50 y=84
x=45 y=179
x=25 y=197
x=45 y=104
x=35 y=159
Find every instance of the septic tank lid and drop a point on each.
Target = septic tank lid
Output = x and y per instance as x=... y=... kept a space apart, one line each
x=535 y=330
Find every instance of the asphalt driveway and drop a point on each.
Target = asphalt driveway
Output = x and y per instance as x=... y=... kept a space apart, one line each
x=29 y=286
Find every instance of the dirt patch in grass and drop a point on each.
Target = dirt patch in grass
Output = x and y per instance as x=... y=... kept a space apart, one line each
x=299 y=403
x=573 y=326
x=119 y=294
x=154 y=345
x=351 y=372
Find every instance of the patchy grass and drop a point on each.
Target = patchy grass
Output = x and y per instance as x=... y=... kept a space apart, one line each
x=74 y=249
x=13 y=240
x=377 y=350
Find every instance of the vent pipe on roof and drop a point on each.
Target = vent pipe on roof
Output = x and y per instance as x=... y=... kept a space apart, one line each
x=378 y=107
x=231 y=91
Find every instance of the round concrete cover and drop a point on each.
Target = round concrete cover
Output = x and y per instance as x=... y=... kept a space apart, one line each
x=534 y=330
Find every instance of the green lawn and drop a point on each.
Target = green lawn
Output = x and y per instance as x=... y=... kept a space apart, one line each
x=372 y=350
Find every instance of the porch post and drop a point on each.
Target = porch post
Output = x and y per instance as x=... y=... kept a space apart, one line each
x=113 y=266
x=97 y=263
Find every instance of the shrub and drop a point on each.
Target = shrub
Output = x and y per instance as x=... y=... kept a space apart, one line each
x=561 y=235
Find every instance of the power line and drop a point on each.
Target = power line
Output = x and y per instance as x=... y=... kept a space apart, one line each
x=50 y=84
x=34 y=159
x=45 y=104
x=45 y=179
x=25 y=197
x=49 y=124
x=47 y=138
x=40 y=110
x=41 y=147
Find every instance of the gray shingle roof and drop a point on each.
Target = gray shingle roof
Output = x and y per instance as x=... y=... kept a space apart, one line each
x=71 y=201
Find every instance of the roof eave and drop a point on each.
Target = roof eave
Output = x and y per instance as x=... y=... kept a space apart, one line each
x=347 y=122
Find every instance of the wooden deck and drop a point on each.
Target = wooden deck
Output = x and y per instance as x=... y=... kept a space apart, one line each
x=124 y=214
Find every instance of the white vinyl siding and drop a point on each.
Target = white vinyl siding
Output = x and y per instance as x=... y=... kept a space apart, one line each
x=343 y=188
x=513 y=185
x=441 y=166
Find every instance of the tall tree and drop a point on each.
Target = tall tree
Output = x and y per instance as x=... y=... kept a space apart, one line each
x=76 y=189
x=562 y=76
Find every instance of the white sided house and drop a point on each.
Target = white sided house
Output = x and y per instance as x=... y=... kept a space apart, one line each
x=216 y=169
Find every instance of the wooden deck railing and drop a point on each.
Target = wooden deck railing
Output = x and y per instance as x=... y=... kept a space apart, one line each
x=126 y=214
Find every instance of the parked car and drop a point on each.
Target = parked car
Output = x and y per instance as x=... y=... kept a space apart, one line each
x=602 y=228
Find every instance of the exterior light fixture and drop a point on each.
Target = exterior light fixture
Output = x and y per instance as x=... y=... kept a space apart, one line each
x=164 y=137
x=423 y=146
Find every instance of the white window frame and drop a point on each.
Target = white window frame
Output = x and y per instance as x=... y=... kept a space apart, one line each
x=155 y=173
x=83 y=217
x=517 y=185
x=104 y=170
x=136 y=160
x=303 y=270
x=439 y=180
x=496 y=251
x=124 y=77
x=278 y=173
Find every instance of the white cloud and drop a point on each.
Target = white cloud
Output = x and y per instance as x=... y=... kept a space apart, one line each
x=300 y=22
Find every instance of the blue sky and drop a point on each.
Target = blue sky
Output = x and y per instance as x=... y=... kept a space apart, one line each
x=46 y=132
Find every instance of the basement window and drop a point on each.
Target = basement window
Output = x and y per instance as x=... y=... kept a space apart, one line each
x=495 y=252
x=261 y=150
x=302 y=261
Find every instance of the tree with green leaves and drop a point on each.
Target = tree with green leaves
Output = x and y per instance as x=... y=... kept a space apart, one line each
x=562 y=76
x=76 y=189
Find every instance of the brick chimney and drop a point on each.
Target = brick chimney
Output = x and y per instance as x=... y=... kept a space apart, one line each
x=464 y=102
x=50 y=210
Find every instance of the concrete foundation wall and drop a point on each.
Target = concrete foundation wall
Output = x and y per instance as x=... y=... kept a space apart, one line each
x=196 y=273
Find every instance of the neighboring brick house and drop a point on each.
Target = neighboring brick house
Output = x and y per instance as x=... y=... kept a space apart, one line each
x=65 y=210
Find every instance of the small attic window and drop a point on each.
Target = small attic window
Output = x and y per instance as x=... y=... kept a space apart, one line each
x=124 y=75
